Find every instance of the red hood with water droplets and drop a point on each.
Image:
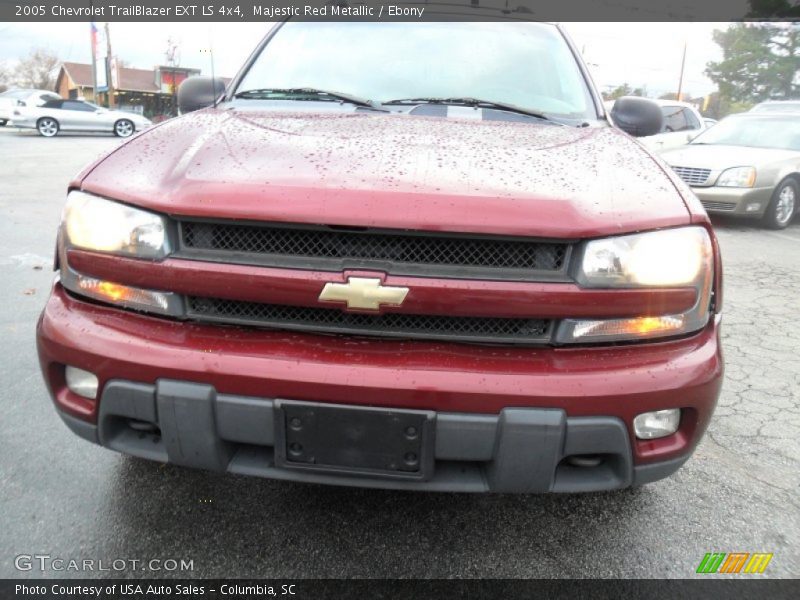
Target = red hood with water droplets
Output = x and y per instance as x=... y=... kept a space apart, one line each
x=394 y=171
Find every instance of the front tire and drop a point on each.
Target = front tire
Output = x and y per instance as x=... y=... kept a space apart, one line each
x=124 y=128
x=782 y=206
x=47 y=126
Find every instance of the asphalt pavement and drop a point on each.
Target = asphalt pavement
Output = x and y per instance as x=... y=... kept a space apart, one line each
x=63 y=497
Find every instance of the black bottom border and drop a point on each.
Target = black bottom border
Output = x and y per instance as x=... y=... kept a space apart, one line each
x=302 y=589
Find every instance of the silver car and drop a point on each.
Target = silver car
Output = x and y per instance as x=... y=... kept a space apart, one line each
x=77 y=115
x=746 y=165
x=11 y=99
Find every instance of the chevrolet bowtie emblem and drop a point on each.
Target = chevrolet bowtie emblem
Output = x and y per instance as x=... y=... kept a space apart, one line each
x=363 y=293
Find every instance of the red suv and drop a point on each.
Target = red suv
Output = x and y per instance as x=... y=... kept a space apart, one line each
x=400 y=255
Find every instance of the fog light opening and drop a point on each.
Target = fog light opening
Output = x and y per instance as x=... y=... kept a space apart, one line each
x=80 y=382
x=657 y=424
x=584 y=461
x=753 y=207
x=145 y=429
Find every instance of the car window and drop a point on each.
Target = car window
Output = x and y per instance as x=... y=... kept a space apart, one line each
x=691 y=120
x=674 y=119
x=526 y=64
x=74 y=105
x=773 y=131
x=53 y=104
x=48 y=98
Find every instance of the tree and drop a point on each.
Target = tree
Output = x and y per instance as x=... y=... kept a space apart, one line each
x=772 y=9
x=5 y=77
x=623 y=90
x=759 y=61
x=37 y=70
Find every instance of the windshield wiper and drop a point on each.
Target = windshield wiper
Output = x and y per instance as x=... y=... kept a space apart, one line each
x=302 y=93
x=476 y=102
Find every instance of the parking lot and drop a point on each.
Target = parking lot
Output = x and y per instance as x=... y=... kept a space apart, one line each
x=67 y=498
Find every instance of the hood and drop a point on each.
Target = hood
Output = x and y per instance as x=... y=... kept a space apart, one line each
x=393 y=171
x=719 y=157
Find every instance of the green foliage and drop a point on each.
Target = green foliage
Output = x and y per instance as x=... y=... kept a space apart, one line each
x=759 y=61
x=772 y=9
x=623 y=90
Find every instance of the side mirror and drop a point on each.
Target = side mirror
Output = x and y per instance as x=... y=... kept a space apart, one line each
x=636 y=116
x=195 y=93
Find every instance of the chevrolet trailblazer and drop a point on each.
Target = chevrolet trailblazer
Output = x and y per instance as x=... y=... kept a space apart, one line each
x=401 y=255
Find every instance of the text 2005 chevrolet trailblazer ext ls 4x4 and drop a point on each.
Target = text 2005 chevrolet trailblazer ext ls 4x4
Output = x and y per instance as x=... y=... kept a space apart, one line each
x=411 y=256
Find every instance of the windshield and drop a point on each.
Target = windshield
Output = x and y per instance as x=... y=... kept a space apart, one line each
x=765 y=132
x=528 y=65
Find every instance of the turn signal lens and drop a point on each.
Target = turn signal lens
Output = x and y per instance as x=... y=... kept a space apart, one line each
x=115 y=293
x=657 y=424
x=628 y=328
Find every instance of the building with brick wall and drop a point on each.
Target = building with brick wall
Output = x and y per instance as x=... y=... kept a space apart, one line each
x=150 y=92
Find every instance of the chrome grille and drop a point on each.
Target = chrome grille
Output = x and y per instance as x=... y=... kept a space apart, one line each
x=692 y=175
x=395 y=251
x=397 y=325
x=718 y=206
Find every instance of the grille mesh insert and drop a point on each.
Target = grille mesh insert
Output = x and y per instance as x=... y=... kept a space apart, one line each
x=478 y=329
x=691 y=175
x=726 y=206
x=396 y=247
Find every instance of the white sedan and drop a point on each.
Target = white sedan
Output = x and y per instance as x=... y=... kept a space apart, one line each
x=22 y=97
x=77 y=115
x=682 y=123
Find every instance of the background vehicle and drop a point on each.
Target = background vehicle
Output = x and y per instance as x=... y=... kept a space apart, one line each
x=77 y=115
x=682 y=122
x=775 y=106
x=11 y=99
x=747 y=165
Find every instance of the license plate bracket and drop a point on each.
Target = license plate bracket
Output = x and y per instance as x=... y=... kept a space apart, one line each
x=354 y=440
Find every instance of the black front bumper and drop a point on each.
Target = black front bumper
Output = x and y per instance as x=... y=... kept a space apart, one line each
x=521 y=450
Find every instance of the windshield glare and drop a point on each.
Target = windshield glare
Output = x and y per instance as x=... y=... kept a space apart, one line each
x=526 y=64
x=777 y=107
x=767 y=132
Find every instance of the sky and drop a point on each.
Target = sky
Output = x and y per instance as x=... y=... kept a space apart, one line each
x=640 y=54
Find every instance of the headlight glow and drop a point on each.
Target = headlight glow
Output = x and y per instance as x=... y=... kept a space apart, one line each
x=744 y=177
x=93 y=223
x=671 y=257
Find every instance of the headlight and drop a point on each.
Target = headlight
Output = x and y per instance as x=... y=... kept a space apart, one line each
x=93 y=223
x=671 y=257
x=744 y=177
x=681 y=257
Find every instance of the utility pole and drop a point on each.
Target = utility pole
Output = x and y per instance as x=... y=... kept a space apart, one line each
x=173 y=60
x=683 y=65
x=108 y=67
x=93 y=39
